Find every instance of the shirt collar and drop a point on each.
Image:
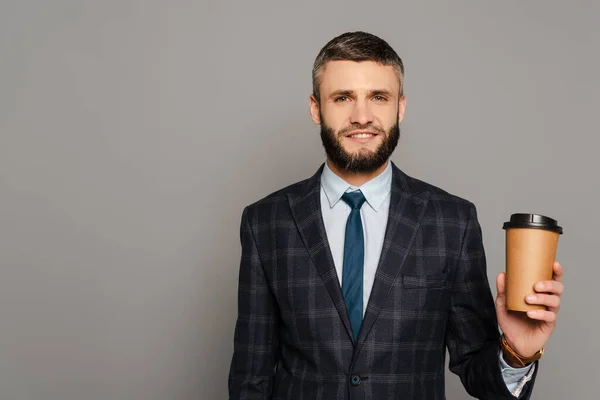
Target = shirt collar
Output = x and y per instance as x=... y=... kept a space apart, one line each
x=375 y=191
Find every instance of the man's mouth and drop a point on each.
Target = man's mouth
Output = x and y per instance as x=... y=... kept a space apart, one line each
x=361 y=135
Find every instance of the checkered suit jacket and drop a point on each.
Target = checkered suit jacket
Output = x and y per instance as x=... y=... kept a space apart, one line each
x=293 y=338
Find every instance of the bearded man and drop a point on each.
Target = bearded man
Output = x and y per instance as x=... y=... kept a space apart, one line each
x=354 y=282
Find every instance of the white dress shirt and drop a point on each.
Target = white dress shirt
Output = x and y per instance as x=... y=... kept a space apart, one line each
x=373 y=213
x=374 y=216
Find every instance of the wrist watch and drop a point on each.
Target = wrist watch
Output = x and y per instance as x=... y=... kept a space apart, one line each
x=512 y=357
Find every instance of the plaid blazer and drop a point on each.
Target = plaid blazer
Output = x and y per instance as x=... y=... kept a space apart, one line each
x=293 y=338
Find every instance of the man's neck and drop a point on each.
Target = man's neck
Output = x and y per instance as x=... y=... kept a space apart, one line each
x=356 y=178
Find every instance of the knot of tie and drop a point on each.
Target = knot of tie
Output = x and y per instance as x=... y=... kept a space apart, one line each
x=354 y=199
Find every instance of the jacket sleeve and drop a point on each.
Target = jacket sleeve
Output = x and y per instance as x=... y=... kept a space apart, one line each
x=255 y=338
x=472 y=332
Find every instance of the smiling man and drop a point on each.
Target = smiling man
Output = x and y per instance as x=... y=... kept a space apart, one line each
x=364 y=106
x=354 y=282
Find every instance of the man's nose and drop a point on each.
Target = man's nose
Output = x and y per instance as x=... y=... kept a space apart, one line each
x=361 y=113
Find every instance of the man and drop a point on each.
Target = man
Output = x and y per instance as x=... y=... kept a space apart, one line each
x=355 y=281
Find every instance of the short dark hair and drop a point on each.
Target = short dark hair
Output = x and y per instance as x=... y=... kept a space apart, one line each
x=356 y=46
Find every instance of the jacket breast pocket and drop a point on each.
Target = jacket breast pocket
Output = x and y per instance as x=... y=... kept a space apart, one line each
x=424 y=296
x=424 y=281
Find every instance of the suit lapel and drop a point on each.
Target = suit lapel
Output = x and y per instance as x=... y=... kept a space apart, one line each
x=405 y=214
x=306 y=211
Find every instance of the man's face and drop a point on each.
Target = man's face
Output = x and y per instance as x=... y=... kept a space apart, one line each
x=359 y=113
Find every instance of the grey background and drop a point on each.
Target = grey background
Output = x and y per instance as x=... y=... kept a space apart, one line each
x=133 y=133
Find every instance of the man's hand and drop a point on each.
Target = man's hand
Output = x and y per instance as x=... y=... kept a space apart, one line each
x=528 y=333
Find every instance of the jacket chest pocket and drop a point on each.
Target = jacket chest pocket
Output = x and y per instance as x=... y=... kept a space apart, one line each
x=417 y=310
x=423 y=281
x=426 y=294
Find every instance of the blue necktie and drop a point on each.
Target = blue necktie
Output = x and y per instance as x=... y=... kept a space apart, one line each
x=354 y=258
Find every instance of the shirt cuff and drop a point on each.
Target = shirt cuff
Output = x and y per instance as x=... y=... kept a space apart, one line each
x=515 y=378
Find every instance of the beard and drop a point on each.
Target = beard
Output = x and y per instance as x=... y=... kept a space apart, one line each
x=363 y=160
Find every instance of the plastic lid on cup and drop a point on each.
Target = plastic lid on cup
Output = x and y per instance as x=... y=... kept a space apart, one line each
x=535 y=221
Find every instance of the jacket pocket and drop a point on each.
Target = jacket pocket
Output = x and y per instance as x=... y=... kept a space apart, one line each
x=424 y=282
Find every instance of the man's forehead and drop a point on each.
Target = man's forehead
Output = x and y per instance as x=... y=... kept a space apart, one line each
x=350 y=75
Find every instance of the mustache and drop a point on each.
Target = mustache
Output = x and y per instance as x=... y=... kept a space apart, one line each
x=356 y=127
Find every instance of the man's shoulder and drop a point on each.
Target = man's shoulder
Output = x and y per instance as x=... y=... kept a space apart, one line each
x=281 y=195
x=279 y=199
x=446 y=206
x=436 y=193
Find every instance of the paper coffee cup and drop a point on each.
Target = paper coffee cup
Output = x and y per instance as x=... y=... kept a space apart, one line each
x=531 y=243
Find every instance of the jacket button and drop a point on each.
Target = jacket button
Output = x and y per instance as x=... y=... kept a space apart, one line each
x=355 y=380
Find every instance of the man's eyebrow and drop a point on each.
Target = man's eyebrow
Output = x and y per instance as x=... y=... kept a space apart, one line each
x=351 y=93
x=378 y=92
x=342 y=92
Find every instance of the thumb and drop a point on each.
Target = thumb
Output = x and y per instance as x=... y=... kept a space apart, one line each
x=501 y=287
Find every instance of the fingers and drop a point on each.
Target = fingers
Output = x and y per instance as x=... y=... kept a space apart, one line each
x=542 y=315
x=547 y=294
x=558 y=271
x=548 y=300
x=554 y=287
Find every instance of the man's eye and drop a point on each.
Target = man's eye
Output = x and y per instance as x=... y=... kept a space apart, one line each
x=341 y=98
x=379 y=98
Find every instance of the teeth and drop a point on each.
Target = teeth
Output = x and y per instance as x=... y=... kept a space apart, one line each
x=362 y=135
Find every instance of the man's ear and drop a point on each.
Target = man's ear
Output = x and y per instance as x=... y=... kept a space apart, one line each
x=315 y=109
x=401 y=108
